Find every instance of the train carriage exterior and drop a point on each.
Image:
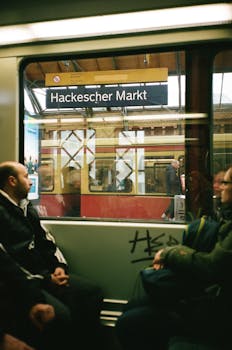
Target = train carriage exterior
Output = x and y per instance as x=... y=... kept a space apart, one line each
x=146 y=199
x=97 y=117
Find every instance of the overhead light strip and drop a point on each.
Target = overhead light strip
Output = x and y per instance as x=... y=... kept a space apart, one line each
x=110 y=119
x=134 y=22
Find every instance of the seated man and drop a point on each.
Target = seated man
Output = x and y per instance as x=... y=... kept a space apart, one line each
x=32 y=272
x=203 y=317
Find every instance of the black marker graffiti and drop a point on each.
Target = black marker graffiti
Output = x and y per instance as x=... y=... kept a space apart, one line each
x=152 y=244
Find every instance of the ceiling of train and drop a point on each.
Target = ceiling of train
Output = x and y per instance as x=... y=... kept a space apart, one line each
x=26 y=11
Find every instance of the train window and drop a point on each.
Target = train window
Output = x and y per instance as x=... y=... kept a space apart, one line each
x=111 y=129
x=108 y=129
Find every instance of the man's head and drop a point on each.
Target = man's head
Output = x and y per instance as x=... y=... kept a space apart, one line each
x=217 y=179
x=175 y=163
x=14 y=180
x=226 y=187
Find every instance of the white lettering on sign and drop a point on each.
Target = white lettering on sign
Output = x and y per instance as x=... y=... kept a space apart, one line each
x=72 y=97
x=98 y=97
x=131 y=96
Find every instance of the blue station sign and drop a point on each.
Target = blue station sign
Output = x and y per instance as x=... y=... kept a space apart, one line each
x=113 y=96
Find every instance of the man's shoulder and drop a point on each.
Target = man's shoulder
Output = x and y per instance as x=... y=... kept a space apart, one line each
x=4 y=203
x=202 y=234
x=6 y=212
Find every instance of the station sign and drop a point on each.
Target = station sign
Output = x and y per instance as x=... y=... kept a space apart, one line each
x=122 y=76
x=107 y=96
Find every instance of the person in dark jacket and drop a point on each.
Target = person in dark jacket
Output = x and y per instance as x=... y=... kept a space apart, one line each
x=173 y=187
x=33 y=270
x=204 y=317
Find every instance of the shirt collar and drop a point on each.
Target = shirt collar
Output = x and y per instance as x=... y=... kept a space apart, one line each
x=23 y=203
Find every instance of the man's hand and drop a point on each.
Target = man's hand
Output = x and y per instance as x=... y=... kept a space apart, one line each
x=157 y=262
x=40 y=314
x=11 y=343
x=59 y=277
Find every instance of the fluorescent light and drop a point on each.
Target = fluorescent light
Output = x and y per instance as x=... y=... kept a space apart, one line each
x=72 y=120
x=105 y=119
x=8 y=33
x=144 y=117
x=142 y=21
x=41 y=121
x=111 y=119
x=181 y=116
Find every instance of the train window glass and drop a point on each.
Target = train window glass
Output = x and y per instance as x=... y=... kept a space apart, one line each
x=109 y=128
x=222 y=126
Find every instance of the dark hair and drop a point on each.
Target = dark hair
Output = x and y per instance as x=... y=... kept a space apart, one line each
x=6 y=169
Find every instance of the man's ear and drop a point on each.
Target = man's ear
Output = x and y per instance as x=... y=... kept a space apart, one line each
x=12 y=180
